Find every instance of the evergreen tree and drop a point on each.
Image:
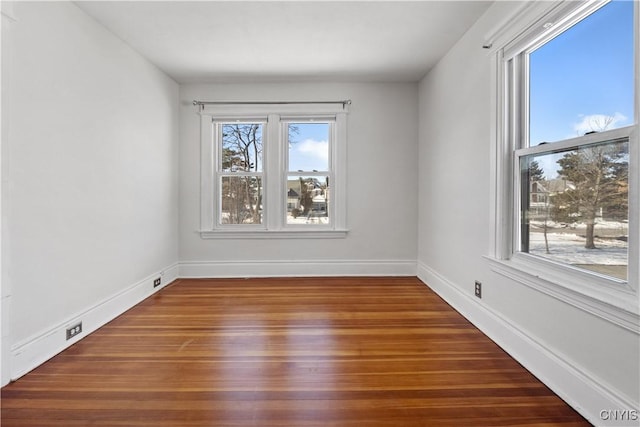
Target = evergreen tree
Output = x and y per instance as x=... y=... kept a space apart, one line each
x=536 y=174
x=598 y=177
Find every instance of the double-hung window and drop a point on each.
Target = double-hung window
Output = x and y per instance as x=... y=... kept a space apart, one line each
x=273 y=170
x=309 y=176
x=239 y=171
x=566 y=195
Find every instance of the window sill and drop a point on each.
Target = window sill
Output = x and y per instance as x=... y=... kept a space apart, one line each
x=618 y=306
x=274 y=234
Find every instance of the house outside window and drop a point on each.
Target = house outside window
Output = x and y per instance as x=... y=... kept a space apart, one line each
x=273 y=170
x=308 y=168
x=566 y=154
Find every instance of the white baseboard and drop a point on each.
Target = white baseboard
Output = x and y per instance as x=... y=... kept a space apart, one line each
x=303 y=268
x=27 y=355
x=578 y=388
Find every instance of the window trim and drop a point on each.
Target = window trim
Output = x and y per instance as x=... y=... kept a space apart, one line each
x=614 y=302
x=274 y=173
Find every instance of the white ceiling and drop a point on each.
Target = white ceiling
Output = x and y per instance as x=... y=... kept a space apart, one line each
x=241 y=41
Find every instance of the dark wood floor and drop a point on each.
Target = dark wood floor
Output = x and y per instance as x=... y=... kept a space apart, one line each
x=285 y=352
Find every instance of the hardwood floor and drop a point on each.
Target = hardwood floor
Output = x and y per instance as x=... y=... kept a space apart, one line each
x=285 y=352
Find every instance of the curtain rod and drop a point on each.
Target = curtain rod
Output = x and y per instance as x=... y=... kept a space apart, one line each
x=202 y=103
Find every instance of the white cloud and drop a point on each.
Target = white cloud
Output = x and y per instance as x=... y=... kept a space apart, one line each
x=313 y=148
x=309 y=155
x=598 y=123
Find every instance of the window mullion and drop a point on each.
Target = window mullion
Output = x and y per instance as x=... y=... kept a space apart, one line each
x=273 y=174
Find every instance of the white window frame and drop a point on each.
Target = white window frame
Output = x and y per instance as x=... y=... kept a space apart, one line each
x=532 y=25
x=285 y=122
x=218 y=173
x=274 y=172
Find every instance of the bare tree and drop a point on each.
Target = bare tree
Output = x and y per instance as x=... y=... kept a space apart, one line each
x=536 y=177
x=599 y=123
x=242 y=152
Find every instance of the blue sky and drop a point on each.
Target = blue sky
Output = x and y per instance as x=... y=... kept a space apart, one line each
x=584 y=75
x=311 y=150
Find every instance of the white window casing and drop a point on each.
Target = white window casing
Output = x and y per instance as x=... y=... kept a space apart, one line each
x=274 y=173
x=532 y=25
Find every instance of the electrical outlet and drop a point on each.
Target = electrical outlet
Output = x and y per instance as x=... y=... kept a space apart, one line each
x=478 y=289
x=74 y=330
x=157 y=282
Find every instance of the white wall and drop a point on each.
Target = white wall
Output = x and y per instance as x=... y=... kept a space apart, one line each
x=90 y=194
x=90 y=184
x=454 y=227
x=381 y=187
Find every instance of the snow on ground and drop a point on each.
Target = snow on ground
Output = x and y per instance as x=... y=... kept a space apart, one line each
x=569 y=248
x=602 y=224
x=303 y=219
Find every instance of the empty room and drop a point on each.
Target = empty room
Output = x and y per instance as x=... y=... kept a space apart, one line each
x=320 y=213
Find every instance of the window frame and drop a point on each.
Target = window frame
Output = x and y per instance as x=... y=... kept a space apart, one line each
x=331 y=121
x=274 y=172
x=509 y=45
x=219 y=174
x=591 y=277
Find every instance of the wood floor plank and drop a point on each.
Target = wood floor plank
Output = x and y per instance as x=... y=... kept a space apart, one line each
x=285 y=352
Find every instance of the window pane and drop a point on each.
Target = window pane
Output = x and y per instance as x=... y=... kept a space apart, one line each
x=575 y=206
x=582 y=81
x=241 y=200
x=308 y=147
x=308 y=200
x=241 y=147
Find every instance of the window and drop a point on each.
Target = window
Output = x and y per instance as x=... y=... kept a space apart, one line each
x=309 y=176
x=273 y=170
x=566 y=195
x=575 y=209
x=239 y=172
